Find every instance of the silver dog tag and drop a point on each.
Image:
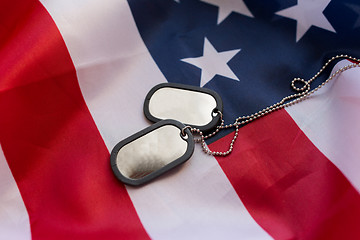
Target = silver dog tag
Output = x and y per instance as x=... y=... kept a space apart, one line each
x=151 y=152
x=193 y=106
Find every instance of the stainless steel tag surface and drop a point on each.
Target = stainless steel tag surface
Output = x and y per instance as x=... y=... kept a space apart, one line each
x=190 y=105
x=151 y=152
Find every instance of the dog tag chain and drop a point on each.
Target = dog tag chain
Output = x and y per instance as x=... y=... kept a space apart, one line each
x=179 y=111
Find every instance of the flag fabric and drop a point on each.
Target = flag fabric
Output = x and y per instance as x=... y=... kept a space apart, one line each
x=74 y=75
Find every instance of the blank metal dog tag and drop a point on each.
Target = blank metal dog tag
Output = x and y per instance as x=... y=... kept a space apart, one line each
x=151 y=152
x=193 y=106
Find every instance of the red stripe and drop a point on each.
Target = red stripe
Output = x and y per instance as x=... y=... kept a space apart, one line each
x=291 y=189
x=49 y=138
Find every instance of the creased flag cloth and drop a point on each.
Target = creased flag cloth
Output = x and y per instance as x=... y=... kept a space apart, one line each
x=73 y=78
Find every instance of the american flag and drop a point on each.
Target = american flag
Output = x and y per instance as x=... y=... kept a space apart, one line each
x=74 y=75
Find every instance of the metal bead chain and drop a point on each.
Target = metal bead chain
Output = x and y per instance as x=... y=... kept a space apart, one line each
x=303 y=93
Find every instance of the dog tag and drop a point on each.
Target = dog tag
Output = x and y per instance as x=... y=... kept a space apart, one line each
x=193 y=106
x=151 y=152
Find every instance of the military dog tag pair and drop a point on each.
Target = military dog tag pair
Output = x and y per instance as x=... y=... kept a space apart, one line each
x=169 y=142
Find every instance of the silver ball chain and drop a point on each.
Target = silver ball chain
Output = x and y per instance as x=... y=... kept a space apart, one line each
x=303 y=93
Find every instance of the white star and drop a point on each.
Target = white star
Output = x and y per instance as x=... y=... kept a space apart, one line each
x=356 y=9
x=308 y=13
x=213 y=62
x=228 y=6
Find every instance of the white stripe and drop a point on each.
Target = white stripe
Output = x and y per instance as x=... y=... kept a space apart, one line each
x=331 y=120
x=14 y=219
x=115 y=72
